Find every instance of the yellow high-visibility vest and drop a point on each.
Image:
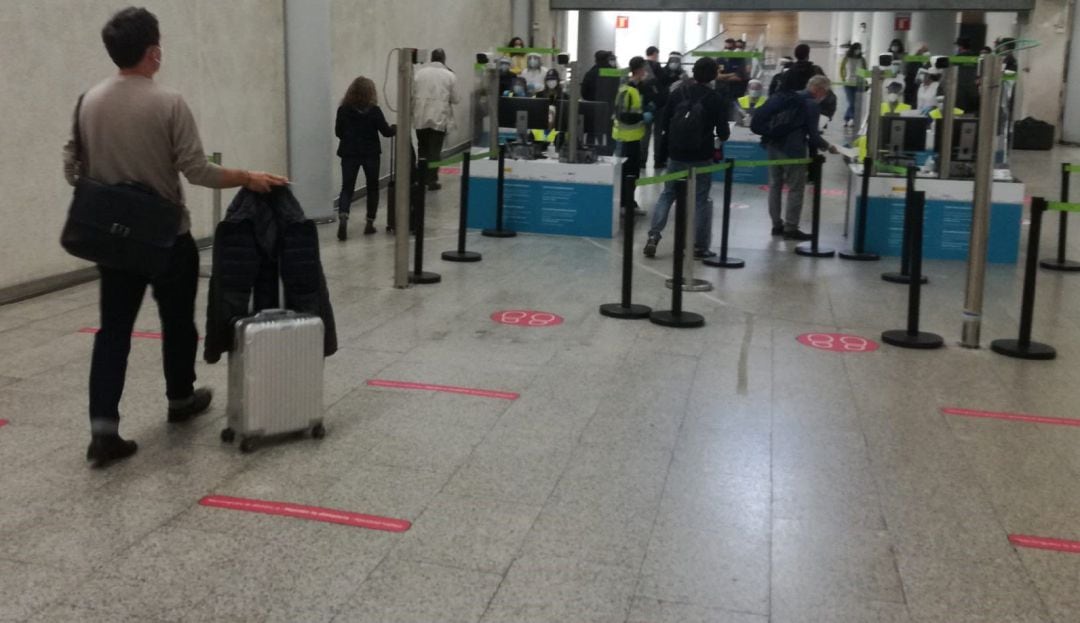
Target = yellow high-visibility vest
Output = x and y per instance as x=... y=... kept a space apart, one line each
x=936 y=113
x=887 y=109
x=746 y=104
x=628 y=100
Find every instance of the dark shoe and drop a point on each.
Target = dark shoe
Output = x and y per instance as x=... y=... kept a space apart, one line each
x=389 y=230
x=778 y=230
x=639 y=211
x=700 y=254
x=369 y=228
x=794 y=234
x=343 y=228
x=104 y=451
x=193 y=407
x=435 y=186
x=650 y=247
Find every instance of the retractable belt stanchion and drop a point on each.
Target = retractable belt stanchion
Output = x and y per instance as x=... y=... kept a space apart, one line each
x=911 y=337
x=813 y=249
x=460 y=254
x=1060 y=263
x=723 y=261
x=858 y=253
x=418 y=275
x=625 y=309
x=391 y=186
x=1023 y=347
x=904 y=276
x=686 y=279
x=676 y=317
x=500 y=187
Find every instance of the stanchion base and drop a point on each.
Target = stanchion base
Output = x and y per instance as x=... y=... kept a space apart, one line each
x=679 y=320
x=633 y=312
x=900 y=278
x=903 y=339
x=424 y=277
x=807 y=250
x=461 y=256
x=1068 y=266
x=498 y=233
x=1033 y=350
x=859 y=257
x=716 y=262
x=695 y=285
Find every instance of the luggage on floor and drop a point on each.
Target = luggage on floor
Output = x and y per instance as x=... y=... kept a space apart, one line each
x=1030 y=133
x=275 y=377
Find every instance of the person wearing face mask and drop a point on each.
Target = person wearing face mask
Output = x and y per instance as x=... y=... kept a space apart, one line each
x=669 y=75
x=517 y=61
x=754 y=98
x=849 y=74
x=939 y=107
x=506 y=77
x=912 y=75
x=929 y=89
x=893 y=105
x=589 y=80
x=434 y=98
x=630 y=119
x=131 y=129
x=967 y=88
x=534 y=73
x=553 y=88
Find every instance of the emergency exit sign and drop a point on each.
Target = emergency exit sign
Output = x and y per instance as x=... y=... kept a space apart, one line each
x=622 y=21
x=903 y=22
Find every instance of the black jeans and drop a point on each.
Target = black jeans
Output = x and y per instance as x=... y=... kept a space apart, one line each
x=121 y=297
x=350 y=169
x=430 y=143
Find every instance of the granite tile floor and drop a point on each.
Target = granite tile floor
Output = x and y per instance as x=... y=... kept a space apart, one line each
x=723 y=474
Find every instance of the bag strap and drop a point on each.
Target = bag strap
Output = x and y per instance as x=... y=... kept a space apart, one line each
x=80 y=156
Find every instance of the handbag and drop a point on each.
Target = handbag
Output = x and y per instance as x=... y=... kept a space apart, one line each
x=125 y=226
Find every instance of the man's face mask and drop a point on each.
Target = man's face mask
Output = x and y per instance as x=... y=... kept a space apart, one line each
x=674 y=65
x=893 y=97
x=755 y=92
x=534 y=63
x=612 y=62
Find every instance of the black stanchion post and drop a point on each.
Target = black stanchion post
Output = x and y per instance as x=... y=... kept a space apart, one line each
x=723 y=261
x=904 y=276
x=1060 y=263
x=625 y=309
x=813 y=249
x=460 y=254
x=418 y=275
x=390 y=189
x=500 y=187
x=1023 y=347
x=676 y=317
x=859 y=253
x=911 y=337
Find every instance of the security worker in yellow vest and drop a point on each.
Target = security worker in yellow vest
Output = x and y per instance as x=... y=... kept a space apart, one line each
x=754 y=99
x=893 y=105
x=629 y=128
x=937 y=112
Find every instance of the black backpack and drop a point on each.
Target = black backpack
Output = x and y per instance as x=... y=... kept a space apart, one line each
x=779 y=116
x=687 y=126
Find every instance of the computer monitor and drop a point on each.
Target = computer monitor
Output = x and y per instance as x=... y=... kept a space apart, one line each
x=596 y=115
x=964 y=140
x=903 y=135
x=532 y=111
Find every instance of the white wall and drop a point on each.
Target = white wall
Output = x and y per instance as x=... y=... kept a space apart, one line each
x=1000 y=24
x=815 y=25
x=1043 y=68
x=225 y=57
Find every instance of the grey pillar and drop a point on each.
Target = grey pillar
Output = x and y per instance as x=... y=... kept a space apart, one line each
x=936 y=28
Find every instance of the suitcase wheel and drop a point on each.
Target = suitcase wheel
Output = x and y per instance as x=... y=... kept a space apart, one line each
x=228 y=435
x=318 y=431
x=247 y=445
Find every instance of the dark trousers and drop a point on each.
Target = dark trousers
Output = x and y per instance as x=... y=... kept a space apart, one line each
x=350 y=170
x=430 y=143
x=121 y=297
x=631 y=170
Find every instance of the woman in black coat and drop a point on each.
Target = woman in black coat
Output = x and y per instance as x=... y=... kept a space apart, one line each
x=359 y=123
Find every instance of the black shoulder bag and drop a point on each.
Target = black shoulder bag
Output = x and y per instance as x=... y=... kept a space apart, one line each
x=123 y=226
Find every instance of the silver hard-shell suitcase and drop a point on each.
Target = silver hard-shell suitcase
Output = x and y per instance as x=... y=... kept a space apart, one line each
x=275 y=377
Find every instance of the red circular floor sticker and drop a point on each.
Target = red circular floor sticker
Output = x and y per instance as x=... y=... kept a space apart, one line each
x=526 y=318
x=838 y=342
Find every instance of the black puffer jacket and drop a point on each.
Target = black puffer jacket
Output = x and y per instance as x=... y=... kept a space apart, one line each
x=265 y=239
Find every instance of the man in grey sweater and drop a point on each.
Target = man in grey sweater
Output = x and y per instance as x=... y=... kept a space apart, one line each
x=133 y=130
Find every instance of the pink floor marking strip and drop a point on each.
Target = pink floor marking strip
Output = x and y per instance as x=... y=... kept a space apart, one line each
x=146 y=335
x=3 y=423
x=1038 y=542
x=1015 y=417
x=310 y=513
x=483 y=393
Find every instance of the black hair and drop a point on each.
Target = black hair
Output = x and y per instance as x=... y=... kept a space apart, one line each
x=705 y=69
x=601 y=57
x=802 y=52
x=986 y=49
x=129 y=34
x=516 y=40
x=552 y=74
x=898 y=43
x=652 y=49
x=854 y=49
x=438 y=55
x=964 y=43
x=636 y=63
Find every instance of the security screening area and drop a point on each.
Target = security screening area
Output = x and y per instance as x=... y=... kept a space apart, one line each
x=548 y=310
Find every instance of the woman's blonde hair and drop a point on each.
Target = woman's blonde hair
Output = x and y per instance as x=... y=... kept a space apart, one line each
x=361 y=94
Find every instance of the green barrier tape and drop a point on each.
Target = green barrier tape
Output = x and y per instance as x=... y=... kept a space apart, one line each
x=1061 y=206
x=964 y=60
x=660 y=179
x=611 y=72
x=748 y=164
x=551 y=51
x=1009 y=78
x=867 y=73
x=456 y=159
x=723 y=166
x=890 y=168
x=479 y=66
x=1072 y=168
x=729 y=54
x=917 y=58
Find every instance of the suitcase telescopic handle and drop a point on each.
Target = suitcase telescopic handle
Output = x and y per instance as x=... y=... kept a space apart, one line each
x=273 y=313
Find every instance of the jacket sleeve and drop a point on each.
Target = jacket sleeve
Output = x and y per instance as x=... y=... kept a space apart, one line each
x=338 y=123
x=723 y=131
x=813 y=134
x=384 y=128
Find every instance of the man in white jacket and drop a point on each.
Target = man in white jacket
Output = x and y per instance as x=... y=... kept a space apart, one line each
x=434 y=97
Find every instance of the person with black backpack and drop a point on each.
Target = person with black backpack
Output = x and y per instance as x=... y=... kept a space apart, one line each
x=694 y=118
x=788 y=126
